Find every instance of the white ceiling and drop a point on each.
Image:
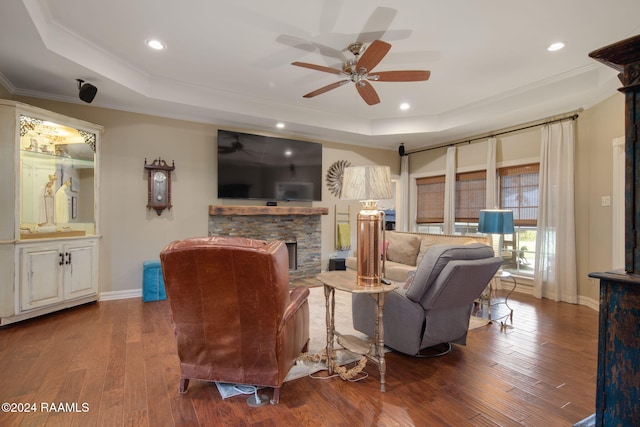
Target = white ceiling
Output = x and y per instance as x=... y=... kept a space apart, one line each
x=228 y=62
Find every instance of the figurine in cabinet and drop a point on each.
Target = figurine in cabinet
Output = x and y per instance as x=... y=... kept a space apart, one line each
x=62 y=204
x=46 y=208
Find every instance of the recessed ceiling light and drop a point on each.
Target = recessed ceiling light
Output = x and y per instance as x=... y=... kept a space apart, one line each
x=288 y=153
x=280 y=125
x=555 y=46
x=156 y=44
x=405 y=106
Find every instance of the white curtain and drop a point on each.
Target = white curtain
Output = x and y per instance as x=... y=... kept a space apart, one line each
x=450 y=192
x=402 y=220
x=491 y=198
x=555 y=266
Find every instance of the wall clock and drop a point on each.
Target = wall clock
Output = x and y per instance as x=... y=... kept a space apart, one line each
x=334 y=176
x=159 y=189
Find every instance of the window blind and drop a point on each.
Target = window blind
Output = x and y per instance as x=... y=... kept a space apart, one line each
x=519 y=192
x=430 y=200
x=471 y=190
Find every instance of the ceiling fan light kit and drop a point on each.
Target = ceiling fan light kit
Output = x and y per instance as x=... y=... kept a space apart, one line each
x=358 y=70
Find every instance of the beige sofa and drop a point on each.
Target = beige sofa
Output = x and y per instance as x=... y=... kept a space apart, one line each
x=405 y=250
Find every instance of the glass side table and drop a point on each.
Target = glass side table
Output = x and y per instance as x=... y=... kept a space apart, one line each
x=501 y=274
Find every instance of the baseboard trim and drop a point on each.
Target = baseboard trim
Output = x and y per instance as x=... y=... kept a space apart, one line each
x=525 y=286
x=116 y=295
x=589 y=302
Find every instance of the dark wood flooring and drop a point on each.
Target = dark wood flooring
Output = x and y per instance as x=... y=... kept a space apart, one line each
x=118 y=359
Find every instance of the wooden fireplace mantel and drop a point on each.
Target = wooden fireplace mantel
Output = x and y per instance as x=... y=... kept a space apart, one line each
x=265 y=210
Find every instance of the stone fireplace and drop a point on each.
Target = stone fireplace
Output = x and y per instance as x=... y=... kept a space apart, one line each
x=298 y=227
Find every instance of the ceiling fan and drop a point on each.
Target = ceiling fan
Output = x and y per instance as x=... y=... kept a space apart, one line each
x=233 y=147
x=359 y=70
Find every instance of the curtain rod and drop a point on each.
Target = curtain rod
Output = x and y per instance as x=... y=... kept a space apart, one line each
x=491 y=135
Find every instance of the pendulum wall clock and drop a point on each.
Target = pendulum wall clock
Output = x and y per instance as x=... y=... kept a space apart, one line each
x=159 y=190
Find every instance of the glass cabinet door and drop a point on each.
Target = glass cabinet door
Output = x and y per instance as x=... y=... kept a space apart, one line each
x=57 y=185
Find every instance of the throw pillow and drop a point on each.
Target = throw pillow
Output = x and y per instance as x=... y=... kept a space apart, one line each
x=384 y=246
x=403 y=247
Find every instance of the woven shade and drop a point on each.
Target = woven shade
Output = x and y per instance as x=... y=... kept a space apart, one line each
x=366 y=183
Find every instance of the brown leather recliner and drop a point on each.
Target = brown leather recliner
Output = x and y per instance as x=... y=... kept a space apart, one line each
x=235 y=319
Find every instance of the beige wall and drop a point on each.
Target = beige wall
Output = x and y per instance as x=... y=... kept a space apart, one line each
x=132 y=234
x=595 y=130
x=597 y=127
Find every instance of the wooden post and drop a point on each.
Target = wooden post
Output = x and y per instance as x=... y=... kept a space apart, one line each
x=618 y=376
x=624 y=56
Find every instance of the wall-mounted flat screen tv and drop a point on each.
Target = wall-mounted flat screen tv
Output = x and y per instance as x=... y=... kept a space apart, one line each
x=263 y=167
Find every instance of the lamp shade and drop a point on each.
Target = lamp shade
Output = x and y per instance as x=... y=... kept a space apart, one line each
x=366 y=183
x=496 y=221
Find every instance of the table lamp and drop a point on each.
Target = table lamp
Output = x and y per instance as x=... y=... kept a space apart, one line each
x=368 y=184
x=496 y=221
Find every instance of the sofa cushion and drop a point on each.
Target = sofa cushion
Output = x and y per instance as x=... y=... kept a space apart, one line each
x=403 y=247
x=428 y=240
x=436 y=258
x=393 y=270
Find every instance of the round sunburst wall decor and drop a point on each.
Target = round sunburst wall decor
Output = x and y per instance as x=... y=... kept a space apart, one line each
x=334 y=176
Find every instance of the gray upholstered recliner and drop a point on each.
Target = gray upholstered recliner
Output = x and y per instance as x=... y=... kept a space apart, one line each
x=433 y=306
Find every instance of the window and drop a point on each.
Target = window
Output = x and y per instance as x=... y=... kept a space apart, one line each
x=430 y=203
x=519 y=251
x=471 y=190
x=470 y=198
x=519 y=192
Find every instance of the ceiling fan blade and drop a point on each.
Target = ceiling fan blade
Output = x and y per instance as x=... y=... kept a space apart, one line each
x=378 y=23
x=401 y=76
x=326 y=88
x=367 y=92
x=373 y=55
x=317 y=67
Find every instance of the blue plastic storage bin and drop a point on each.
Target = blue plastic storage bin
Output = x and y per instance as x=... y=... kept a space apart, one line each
x=152 y=282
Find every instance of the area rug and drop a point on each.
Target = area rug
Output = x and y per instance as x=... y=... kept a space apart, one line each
x=318 y=332
x=343 y=324
x=477 y=322
x=318 y=335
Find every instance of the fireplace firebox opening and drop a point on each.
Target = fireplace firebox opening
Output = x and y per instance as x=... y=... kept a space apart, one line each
x=293 y=255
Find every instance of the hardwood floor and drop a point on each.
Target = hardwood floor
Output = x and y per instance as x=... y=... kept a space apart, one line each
x=118 y=359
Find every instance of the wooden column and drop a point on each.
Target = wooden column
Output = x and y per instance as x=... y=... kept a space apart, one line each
x=624 y=56
x=617 y=391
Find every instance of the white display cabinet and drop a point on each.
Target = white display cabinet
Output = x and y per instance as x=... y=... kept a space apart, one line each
x=49 y=235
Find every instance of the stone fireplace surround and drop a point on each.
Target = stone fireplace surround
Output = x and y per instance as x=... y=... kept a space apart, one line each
x=296 y=226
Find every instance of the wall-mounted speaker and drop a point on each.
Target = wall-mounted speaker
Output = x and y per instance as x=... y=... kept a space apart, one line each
x=401 y=150
x=87 y=91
